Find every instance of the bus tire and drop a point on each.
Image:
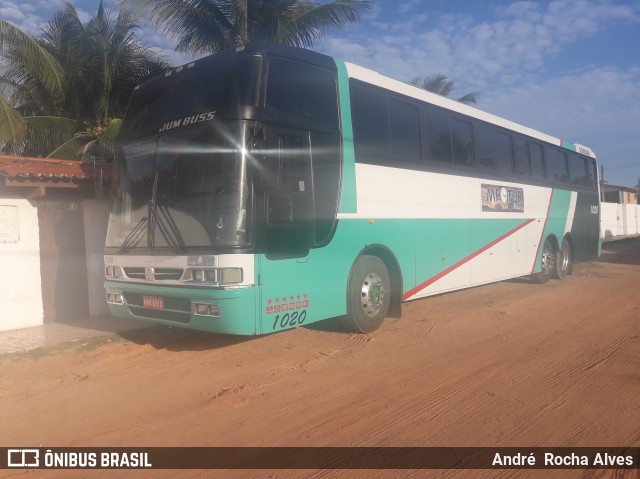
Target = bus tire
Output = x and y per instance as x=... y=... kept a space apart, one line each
x=548 y=261
x=564 y=264
x=368 y=295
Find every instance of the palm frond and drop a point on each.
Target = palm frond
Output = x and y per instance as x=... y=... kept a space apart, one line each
x=311 y=20
x=103 y=147
x=199 y=26
x=469 y=98
x=12 y=127
x=45 y=133
x=441 y=85
x=18 y=46
x=70 y=150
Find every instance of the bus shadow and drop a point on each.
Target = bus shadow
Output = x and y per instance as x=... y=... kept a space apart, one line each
x=520 y=280
x=179 y=339
x=330 y=325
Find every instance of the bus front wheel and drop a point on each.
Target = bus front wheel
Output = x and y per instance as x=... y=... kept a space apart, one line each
x=548 y=263
x=368 y=295
x=564 y=264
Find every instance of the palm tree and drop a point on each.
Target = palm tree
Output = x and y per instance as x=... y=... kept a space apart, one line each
x=441 y=85
x=202 y=27
x=67 y=89
x=21 y=52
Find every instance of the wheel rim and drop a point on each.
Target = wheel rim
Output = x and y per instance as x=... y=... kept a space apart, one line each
x=547 y=260
x=372 y=294
x=564 y=259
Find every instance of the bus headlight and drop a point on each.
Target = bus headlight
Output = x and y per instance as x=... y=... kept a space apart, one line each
x=204 y=275
x=221 y=276
x=230 y=275
x=113 y=272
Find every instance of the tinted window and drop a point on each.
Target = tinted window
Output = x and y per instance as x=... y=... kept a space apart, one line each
x=493 y=150
x=521 y=151
x=593 y=174
x=438 y=136
x=199 y=94
x=462 y=142
x=370 y=121
x=556 y=165
x=325 y=160
x=405 y=136
x=303 y=91
x=581 y=169
x=578 y=170
x=537 y=162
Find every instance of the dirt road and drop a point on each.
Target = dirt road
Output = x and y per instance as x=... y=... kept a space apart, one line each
x=508 y=364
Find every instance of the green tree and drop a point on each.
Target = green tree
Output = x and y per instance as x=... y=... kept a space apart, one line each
x=63 y=93
x=441 y=85
x=202 y=27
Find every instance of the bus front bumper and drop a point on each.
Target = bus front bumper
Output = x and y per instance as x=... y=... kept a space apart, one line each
x=227 y=311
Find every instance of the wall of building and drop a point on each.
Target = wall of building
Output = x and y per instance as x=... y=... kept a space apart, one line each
x=20 y=282
x=96 y=216
x=619 y=220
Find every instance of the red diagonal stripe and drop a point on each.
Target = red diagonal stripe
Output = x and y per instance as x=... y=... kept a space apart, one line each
x=454 y=266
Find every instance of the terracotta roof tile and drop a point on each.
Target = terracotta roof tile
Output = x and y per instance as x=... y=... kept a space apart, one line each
x=41 y=169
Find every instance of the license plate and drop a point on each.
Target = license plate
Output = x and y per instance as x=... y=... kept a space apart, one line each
x=153 y=302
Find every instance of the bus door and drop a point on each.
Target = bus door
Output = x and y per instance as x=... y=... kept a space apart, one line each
x=288 y=195
x=287 y=229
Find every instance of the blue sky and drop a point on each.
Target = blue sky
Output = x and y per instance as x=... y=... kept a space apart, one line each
x=569 y=68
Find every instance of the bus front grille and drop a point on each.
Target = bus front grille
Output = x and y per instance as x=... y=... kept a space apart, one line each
x=174 y=309
x=173 y=274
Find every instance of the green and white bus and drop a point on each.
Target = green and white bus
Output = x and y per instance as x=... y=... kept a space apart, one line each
x=271 y=187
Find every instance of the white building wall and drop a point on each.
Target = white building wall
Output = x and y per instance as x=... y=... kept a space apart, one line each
x=619 y=220
x=631 y=215
x=20 y=283
x=609 y=214
x=95 y=214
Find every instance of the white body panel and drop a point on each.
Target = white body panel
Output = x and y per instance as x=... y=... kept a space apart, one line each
x=385 y=192
x=244 y=261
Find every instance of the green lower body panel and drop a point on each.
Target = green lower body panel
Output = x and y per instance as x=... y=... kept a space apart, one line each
x=237 y=307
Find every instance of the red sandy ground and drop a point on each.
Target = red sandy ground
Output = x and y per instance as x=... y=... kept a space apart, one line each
x=508 y=364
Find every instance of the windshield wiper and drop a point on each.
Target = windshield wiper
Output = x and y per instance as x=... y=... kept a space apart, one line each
x=161 y=216
x=134 y=236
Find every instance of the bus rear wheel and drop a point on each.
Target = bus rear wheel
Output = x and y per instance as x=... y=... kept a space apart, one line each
x=368 y=295
x=548 y=263
x=564 y=264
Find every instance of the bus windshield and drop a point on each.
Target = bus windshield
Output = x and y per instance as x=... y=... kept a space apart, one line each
x=184 y=190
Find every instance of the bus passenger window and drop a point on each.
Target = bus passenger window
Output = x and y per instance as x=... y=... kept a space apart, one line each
x=591 y=173
x=462 y=142
x=537 y=164
x=578 y=170
x=522 y=157
x=556 y=165
x=370 y=118
x=438 y=136
x=493 y=150
x=405 y=136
